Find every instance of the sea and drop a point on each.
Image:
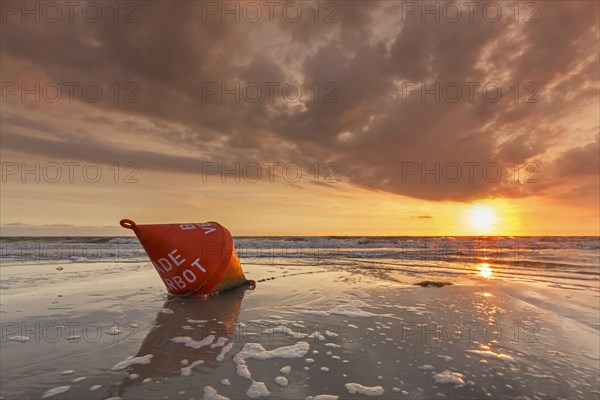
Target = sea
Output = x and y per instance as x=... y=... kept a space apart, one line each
x=565 y=261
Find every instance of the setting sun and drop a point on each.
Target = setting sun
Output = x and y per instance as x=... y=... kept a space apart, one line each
x=482 y=218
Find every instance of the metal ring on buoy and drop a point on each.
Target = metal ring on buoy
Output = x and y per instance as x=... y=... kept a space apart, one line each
x=127 y=223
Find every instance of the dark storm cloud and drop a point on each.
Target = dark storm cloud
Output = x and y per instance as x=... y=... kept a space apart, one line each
x=375 y=132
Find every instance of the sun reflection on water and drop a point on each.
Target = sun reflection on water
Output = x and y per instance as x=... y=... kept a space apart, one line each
x=485 y=271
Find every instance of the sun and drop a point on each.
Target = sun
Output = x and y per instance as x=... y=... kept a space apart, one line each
x=482 y=218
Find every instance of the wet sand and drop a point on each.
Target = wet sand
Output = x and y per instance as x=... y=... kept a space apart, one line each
x=102 y=330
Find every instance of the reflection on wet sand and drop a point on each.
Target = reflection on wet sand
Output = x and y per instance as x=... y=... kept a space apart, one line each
x=484 y=270
x=196 y=318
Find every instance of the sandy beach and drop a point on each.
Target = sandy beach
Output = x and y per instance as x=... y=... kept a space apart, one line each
x=103 y=330
x=414 y=187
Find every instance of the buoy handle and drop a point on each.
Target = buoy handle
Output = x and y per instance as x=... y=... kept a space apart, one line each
x=127 y=223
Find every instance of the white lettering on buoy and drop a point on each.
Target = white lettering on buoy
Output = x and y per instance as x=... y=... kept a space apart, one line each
x=169 y=284
x=196 y=263
x=165 y=264
x=179 y=282
x=176 y=258
x=207 y=227
x=189 y=276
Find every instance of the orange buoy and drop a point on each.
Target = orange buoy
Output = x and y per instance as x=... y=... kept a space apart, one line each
x=196 y=259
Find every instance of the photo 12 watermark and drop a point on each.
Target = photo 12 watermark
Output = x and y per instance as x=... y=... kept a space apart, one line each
x=272 y=171
x=452 y=12
x=72 y=332
x=468 y=332
x=467 y=172
x=252 y=12
x=75 y=332
x=269 y=92
x=54 y=12
x=70 y=91
x=469 y=91
x=69 y=172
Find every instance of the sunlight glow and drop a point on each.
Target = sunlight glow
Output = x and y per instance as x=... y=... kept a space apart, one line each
x=485 y=271
x=482 y=218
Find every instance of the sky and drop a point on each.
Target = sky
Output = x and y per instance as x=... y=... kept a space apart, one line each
x=301 y=118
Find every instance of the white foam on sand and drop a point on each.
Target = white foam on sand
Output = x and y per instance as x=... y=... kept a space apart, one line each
x=281 y=381
x=210 y=393
x=491 y=354
x=135 y=360
x=350 y=309
x=450 y=377
x=426 y=367
x=243 y=371
x=316 y=335
x=167 y=311
x=220 y=342
x=225 y=382
x=67 y=372
x=333 y=345
x=258 y=352
x=285 y=331
x=95 y=387
x=352 y=326
x=323 y=397
x=197 y=321
x=113 y=330
x=224 y=351
x=286 y=370
x=354 y=388
x=194 y=344
x=317 y=313
x=81 y=378
x=55 y=391
x=324 y=369
x=187 y=371
x=358 y=293
x=18 y=338
x=257 y=389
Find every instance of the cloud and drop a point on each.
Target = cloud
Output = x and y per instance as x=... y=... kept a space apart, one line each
x=367 y=58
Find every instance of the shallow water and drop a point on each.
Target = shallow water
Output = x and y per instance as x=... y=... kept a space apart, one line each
x=347 y=326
